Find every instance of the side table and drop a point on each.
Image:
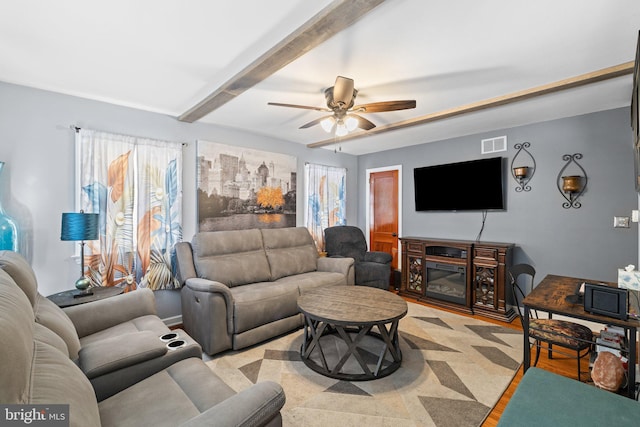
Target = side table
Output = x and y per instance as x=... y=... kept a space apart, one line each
x=68 y=298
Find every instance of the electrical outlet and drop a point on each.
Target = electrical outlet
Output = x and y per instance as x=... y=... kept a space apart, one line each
x=634 y=215
x=621 y=221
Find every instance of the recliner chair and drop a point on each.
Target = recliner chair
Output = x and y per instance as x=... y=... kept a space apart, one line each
x=372 y=268
x=114 y=341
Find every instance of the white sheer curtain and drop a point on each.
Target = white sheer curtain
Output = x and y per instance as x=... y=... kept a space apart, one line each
x=326 y=199
x=135 y=184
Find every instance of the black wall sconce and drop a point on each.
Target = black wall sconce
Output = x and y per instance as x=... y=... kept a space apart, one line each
x=523 y=174
x=572 y=186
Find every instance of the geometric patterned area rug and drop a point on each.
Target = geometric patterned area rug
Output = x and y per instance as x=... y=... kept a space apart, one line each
x=454 y=370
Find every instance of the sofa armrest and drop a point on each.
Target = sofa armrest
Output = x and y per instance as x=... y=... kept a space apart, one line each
x=338 y=265
x=379 y=257
x=185 y=266
x=211 y=286
x=112 y=354
x=99 y=315
x=254 y=406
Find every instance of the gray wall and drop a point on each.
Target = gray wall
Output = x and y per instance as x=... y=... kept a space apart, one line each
x=37 y=145
x=574 y=242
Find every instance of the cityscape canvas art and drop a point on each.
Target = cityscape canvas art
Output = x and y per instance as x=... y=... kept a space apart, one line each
x=240 y=188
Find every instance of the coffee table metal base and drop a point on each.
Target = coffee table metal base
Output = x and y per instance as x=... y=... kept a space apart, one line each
x=352 y=336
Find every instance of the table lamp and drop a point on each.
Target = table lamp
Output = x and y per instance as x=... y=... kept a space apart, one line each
x=80 y=227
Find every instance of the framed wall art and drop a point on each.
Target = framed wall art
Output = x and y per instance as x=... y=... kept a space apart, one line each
x=242 y=188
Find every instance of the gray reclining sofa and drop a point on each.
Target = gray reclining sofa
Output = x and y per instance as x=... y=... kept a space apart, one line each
x=241 y=287
x=114 y=341
x=37 y=369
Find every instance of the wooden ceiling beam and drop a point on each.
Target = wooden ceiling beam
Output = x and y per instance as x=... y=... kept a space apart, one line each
x=334 y=18
x=569 y=83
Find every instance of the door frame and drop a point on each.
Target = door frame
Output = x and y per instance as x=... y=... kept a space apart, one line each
x=367 y=201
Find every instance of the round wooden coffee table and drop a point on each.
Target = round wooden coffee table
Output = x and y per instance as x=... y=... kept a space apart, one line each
x=339 y=340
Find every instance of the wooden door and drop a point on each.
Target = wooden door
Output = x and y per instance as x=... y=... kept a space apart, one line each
x=383 y=226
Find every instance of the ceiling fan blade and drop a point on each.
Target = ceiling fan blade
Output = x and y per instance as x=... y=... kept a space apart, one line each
x=379 y=107
x=305 y=107
x=362 y=122
x=343 y=91
x=313 y=122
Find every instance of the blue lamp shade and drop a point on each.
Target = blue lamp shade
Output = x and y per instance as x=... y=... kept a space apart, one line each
x=79 y=226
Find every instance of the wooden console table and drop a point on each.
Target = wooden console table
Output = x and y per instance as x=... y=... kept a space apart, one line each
x=550 y=296
x=484 y=265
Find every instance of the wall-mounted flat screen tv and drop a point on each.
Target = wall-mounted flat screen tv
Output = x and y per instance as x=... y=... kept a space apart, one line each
x=474 y=185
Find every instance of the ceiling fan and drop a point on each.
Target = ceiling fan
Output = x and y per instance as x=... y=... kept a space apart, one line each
x=340 y=101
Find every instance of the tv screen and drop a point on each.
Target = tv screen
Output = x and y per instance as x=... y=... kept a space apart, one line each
x=473 y=185
x=605 y=300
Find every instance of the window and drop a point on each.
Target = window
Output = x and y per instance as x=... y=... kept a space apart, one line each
x=326 y=199
x=135 y=185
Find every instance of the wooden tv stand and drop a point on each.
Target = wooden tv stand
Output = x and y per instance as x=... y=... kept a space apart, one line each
x=478 y=272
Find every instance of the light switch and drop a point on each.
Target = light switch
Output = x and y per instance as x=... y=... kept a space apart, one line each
x=634 y=215
x=621 y=222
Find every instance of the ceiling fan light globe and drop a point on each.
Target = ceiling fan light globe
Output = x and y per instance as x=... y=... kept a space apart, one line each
x=351 y=123
x=341 y=129
x=327 y=124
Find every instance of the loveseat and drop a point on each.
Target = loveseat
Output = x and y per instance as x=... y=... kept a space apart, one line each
x=37 y=370
x=241 y=287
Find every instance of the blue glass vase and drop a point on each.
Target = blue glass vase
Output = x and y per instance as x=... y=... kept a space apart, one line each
x=8 y=227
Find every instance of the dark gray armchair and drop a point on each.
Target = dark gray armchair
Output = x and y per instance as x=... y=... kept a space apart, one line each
x=371 y=268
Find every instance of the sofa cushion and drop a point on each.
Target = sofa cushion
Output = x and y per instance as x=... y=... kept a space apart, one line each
x=263 y=303
x=16 y=335
x=307 y=281
x=56 y=379
x=21 y=272
x=231 y=257
x=45 y=311
x=47 y=336
x=290 y=251
x=189 y=385
x=149 y=322
x=53 y=317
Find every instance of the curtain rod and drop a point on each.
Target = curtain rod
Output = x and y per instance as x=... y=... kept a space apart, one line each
x=78 y=129
x=326 y=166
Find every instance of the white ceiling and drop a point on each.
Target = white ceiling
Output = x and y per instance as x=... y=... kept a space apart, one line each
x=166 y=56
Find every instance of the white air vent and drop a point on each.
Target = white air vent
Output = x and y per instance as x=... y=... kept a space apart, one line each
x=494 y=145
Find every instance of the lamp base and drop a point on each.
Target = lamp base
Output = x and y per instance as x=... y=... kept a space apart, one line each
x=82 y=286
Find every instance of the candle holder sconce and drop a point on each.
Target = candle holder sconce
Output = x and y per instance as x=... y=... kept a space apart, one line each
x=572 y=186
x=521 y=173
